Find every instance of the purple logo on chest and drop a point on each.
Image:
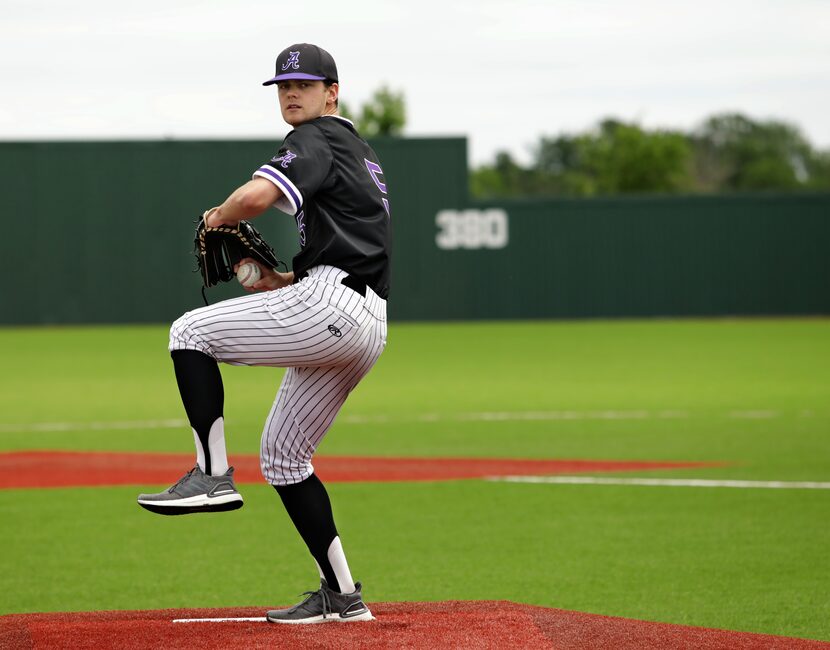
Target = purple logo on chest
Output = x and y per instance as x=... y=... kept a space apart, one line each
x=293 y=61
x=285 y=159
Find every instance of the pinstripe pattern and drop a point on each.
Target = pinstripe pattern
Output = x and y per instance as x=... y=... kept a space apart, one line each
x=295 y=327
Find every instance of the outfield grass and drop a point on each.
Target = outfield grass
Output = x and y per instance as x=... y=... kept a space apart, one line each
x=754 y=395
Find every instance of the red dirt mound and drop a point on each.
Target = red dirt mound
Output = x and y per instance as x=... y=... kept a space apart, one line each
x=27 y=469
x=478 y=624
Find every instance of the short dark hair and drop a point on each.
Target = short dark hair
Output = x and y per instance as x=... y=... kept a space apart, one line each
x=328 y=84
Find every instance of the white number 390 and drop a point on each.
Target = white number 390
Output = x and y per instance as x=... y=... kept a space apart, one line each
x=471 y=229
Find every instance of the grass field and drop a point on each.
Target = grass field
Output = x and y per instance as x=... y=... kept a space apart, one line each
x=753 y=395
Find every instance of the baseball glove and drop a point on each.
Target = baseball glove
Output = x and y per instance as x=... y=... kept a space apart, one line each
x=220 y=248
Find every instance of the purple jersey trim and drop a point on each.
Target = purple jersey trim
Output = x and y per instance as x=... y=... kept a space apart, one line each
x=288 y=188
x=293 y=75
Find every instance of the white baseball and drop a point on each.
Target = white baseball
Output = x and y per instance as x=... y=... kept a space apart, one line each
x=247 y=274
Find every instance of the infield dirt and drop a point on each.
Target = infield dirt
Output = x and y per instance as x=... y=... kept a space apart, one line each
x=450 y=624
x=30 y=469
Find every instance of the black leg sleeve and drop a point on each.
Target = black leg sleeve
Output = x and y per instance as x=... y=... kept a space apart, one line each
x=203 y=396
x=309 y=507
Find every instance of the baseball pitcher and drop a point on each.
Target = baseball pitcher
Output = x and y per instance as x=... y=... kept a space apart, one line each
x=325 y=321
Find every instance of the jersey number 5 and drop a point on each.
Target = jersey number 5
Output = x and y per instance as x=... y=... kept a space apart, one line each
x=301 y=226
x=374 y=170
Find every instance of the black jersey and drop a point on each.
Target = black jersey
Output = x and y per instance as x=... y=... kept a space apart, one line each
x=333 y=185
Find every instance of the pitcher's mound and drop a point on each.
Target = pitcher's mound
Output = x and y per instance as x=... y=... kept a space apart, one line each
x=452 y=624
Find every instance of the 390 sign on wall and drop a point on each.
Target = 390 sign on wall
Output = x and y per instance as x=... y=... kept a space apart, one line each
x=471 y=229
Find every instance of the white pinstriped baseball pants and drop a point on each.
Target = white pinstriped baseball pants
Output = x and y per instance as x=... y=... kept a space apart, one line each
x=327 y=335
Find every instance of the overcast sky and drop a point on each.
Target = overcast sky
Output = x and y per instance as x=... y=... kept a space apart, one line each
x=502 y=73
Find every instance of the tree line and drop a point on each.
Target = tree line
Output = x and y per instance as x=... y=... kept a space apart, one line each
x=383 y=115
x=728 y=152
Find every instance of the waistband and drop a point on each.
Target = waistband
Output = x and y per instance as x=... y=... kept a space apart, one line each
x=333 y=275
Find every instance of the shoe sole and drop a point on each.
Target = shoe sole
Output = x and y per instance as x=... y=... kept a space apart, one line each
x=331 y=618
x=192 y=505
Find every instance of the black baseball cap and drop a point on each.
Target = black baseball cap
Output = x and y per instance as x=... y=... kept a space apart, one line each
x=304 y=61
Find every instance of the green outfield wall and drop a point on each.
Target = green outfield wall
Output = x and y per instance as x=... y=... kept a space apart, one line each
x=101 y=232
x=666 y=256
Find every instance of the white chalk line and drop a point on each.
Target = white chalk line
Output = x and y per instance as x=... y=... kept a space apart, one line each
x=485 y=416
x=255 y=619
x=664 y=482
x=47 y=427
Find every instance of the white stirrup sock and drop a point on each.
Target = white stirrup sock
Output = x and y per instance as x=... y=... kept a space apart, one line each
x=216 y=449
x=337 y=559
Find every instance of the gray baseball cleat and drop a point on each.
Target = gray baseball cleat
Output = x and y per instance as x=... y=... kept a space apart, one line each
x=195 y=492
x=324 y=606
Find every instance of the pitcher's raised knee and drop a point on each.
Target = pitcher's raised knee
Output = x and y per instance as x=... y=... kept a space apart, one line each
x=185 y=336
